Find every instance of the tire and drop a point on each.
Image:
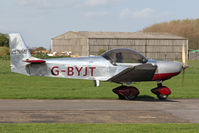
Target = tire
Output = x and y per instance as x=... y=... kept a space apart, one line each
x=121 y=97
x=162 y=97
x=131 y=97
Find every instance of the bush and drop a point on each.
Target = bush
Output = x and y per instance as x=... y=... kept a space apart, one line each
x=4 y=51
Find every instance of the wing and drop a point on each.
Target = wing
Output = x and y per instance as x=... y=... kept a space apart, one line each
x=142 y=72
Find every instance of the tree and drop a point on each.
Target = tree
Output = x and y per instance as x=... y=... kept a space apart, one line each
x=36 y=50
x=188 y=28
x=4 y=41
x=39 y=49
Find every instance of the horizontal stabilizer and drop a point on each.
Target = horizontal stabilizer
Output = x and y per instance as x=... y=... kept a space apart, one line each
x=35 y=61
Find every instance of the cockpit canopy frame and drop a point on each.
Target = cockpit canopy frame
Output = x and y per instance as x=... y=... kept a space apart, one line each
x=124 y=55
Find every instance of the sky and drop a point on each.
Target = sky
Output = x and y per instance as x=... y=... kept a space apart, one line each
x=40 y=20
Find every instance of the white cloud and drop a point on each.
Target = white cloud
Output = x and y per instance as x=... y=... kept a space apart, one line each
x=24 y=2
x=68 y=3
x=36 y=3
x=95 y=14
x=95 y=3
x=141 y=14
x=45 y=4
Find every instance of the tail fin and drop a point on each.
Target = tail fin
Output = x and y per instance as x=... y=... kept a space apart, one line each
x=18 y=54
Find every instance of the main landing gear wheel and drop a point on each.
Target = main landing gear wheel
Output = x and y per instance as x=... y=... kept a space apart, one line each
x=162 y=92
x=126 y=92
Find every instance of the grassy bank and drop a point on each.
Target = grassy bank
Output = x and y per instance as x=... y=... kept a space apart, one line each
x=18 y=86
x=99 y=128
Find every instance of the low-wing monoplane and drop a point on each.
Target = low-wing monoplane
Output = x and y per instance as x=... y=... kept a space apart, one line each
x=121 y=65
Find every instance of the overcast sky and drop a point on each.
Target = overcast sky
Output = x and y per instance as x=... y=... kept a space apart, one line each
x=40 y=20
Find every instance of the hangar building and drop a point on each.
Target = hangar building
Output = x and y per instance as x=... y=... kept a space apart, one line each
x=152 y=45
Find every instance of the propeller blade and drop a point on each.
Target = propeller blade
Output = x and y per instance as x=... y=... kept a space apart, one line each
x=184 y=63
x=183 y=56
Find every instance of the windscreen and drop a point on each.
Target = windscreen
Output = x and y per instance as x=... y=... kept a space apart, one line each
x=124 y=56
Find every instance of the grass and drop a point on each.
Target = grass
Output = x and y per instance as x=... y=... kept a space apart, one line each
x=4 y=51
x=16 y=86
x=99 y=128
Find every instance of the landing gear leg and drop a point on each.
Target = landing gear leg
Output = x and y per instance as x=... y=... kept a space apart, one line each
x=162 y=92
x=126 y=92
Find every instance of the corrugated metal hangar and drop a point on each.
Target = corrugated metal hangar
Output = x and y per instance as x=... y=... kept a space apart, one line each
x=152 y=45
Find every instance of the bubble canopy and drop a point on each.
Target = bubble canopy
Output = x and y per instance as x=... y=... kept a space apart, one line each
x=124 y=55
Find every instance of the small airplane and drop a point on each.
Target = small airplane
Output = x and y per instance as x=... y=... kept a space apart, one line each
x=121 y=65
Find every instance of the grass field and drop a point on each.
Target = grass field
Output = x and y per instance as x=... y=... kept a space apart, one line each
x=16 y=86
x=99 y=128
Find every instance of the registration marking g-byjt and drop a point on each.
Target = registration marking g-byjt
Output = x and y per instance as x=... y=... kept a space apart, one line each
x=70 y=71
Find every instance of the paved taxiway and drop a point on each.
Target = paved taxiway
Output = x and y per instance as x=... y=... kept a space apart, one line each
x=99 y=111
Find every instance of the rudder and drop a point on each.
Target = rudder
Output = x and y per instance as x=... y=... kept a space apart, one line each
x=18 y=54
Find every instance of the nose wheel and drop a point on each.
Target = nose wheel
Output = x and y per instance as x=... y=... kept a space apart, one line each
x=162 y=92
x=126 y=92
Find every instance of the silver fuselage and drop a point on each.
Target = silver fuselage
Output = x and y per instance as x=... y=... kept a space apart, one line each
x=93 y=68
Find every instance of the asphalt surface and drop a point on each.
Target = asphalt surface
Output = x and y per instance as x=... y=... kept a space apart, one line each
x=99 y=111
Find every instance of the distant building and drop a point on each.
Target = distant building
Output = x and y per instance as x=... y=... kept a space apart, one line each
x=152 y=45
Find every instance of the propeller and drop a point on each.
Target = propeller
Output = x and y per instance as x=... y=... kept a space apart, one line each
x=184 y=61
